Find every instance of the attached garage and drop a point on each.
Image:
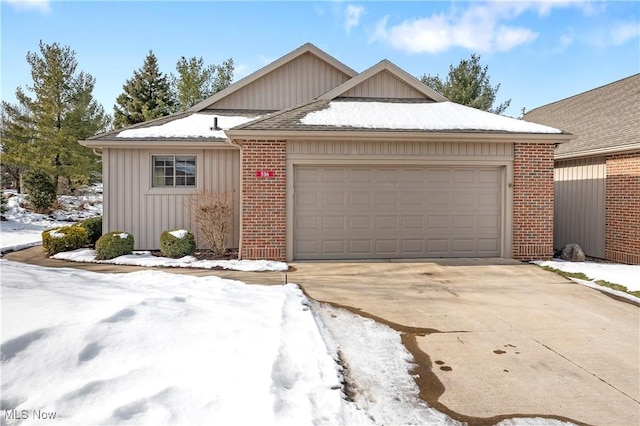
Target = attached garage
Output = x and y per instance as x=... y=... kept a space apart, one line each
x=365 y=212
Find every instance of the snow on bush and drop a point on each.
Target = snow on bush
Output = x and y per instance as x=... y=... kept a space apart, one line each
x=114 y=244
x=64 y=239
x=177 y=243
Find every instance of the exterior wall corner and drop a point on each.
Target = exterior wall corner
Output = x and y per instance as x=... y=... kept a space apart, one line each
x=533 y=201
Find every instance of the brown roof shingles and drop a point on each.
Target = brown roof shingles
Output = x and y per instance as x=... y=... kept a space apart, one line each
x=603 y=119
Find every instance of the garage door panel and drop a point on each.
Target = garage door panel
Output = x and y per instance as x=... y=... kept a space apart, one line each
x=360 y=223
x=361 y=247
x=396 y=212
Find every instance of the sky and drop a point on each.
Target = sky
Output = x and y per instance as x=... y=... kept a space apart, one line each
x=538 y=51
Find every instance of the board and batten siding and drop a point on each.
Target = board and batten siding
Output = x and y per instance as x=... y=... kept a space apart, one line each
x=298 y=81
x=383 y=85
x=579 y=206
x=131 y=205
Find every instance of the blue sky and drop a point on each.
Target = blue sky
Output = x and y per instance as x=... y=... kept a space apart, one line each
x=539 y=51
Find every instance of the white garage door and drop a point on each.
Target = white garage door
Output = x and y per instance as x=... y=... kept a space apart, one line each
x=396 y=212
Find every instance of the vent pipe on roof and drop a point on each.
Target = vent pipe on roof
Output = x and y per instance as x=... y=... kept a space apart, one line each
x=215 y=124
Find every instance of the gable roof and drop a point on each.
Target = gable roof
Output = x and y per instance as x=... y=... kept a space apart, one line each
x=604 y=120
x=289 y=57
x=393 y=69
x=411 y=116
x=429 y=113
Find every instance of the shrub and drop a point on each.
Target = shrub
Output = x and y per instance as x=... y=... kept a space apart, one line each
x=177 y=243
x=213 y=214
x=63 y=239
x=114 y=244
x=41 y=191
x=3 y=203
x=94 y=228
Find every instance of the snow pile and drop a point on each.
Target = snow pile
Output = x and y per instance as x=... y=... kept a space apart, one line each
x=377 y=365
x=418 y=116
x=192 y=126
x=23 y=228
x=146 y=259
x=153 y=348
x=179 y=234
x=56 y=234
x=626 y=275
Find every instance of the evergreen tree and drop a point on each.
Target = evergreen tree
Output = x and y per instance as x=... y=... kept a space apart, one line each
x=468 y=84
x=17 y=136
x=41 y=131
x=196 y=82
x=147 y=95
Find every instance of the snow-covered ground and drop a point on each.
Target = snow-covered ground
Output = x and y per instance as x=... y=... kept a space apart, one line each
x=145 y=258
x=626 y=275
x=157 y=348
x=23 y=228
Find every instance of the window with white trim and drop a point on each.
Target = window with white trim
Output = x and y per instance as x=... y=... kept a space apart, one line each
x=173 y=171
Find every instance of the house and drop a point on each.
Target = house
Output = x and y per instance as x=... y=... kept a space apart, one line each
x=597 y=174
x=328 y=163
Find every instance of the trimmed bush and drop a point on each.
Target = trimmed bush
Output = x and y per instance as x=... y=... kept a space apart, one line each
x=177 y=243
x=94 y=228
x=114 y=244
x=41 y=191
x=64 y=239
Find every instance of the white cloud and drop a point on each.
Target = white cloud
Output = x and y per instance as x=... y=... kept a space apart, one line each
x=42 y=6
x=565 y=41
x=477 y=28
x=484 y=27
x=622 y=33
x=353 y=14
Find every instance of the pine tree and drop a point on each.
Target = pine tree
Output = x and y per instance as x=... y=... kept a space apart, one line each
x=42 y=130
x=147 y=95
x=468 y=84
x=196 y=82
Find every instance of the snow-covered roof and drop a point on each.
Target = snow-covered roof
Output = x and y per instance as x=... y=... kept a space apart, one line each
x=192 y=126
x=428 y=116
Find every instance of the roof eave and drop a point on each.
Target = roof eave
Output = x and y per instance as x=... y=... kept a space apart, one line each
x=241 y=134
x=599 y=152
x=158 y=143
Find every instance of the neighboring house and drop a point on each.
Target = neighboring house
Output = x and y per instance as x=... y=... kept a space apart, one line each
x=597 y=175
x=326 y=163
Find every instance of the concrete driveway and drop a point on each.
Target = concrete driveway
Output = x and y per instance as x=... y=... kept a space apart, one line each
x=493 y=338
x=497 y=338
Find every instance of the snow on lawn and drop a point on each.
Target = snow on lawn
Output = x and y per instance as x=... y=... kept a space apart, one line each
x=626 y=275
x=418 y=116
x=23 y=228
x=156 y=348
x=145 y=258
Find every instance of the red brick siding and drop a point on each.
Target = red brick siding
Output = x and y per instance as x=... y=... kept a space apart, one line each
x=622 y=215
x=532 y=201
x=263 y=233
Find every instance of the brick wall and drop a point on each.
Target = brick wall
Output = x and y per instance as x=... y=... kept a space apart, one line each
x=532 y=201
x=622 y=215
x=263 y=234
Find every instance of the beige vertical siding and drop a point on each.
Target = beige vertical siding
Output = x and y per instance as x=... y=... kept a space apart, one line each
x=298 y=81
x=384 y=85
x=390 y=149
x=131 y=204
x=579 y=207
